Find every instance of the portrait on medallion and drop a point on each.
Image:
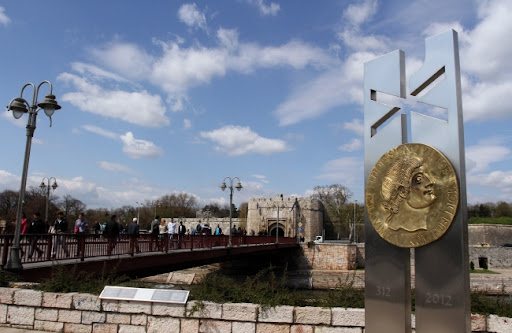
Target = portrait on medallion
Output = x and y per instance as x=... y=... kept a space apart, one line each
x=407 y=193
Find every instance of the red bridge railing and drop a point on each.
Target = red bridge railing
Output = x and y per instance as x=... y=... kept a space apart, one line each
x=39 y=248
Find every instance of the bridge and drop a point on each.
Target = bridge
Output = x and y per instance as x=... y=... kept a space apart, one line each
x=136 y=256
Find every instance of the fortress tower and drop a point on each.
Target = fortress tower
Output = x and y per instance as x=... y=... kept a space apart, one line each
x=295 y=214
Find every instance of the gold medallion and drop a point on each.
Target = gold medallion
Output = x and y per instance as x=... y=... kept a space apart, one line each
x=412 y=195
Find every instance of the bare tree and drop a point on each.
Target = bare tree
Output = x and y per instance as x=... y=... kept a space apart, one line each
x=335 y=198
x=71 y=207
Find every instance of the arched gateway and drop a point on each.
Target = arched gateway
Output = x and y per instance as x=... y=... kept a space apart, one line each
x=287 y=215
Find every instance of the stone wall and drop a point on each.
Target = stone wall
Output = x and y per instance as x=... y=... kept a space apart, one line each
x=497 y=257
x=262 y=215
x=327 y=256
x=493 y=234
x=56 y=312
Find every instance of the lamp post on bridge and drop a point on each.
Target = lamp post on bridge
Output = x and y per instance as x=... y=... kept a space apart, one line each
x=238 y=187
x=19 y=106
x=138 y=210
x=43 y=186
x=355 y=224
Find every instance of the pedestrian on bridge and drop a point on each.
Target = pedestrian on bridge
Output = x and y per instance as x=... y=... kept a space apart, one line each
x=171 y=229
x=81 y=228
x=60 y=227
x=155 y=231
x=162 y=232
x=112 y=233
x=36 y=229
x=133 y=233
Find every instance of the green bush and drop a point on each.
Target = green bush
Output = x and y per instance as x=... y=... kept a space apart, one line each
x=269 y=289
x=64 y=280
x=500 y=304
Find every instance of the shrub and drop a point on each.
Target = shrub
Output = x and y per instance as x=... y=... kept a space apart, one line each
x=64 y=280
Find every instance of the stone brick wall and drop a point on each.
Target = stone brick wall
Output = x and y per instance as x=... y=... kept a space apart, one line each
x=493 y=234
x=56 y=312
x=262 y=215
x=327 y=256
x=497 y=257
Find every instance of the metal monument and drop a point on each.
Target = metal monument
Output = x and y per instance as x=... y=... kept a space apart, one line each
x=415 y=193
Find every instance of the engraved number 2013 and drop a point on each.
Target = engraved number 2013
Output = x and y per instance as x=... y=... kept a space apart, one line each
x=383 y=291
x=445 y=300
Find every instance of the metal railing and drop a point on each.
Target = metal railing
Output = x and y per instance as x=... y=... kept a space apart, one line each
x=46 y=247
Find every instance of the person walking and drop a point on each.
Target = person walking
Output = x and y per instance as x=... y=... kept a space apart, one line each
x=35 y=230
x=60 y=228
x=171 y=230
x=81 y=228
x=162 y=231
x=218 y=230
x=133 y=232
x=155 y=232
x=112 y=233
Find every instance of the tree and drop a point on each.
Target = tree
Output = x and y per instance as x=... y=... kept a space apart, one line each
x=502 y=209
x=243 y=210
x=334 y=198
x=71 y=207
x=176 y=205
x=8 y=205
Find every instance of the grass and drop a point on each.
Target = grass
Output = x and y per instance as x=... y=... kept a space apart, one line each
x=483 y=271
x=490 y=220
x=64 y=280
x=268 y=288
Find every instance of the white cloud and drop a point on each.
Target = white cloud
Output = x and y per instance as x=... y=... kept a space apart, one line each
x=346 y=170
x=485 y=60
x=355 y=126
x=187 y=124
x=228 y=38
x=479 y=157
x=114 y=167
x=136 y=148
x=95 y=72
x=125 y=58
x=356 y=14
x=261 y=178
x=139 y=108
x=338 y=86
x=191 y=16
x=9 y=180
x=271 y=9
x=353 y=145
x=238 y=140
x=4 y=19
x=100 y=131
x=293 y=136
x=181 y=68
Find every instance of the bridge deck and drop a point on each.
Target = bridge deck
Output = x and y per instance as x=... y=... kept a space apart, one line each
x=134 y=255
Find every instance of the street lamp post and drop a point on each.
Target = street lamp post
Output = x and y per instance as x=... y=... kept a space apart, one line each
x=156 y=205
x=355 y=225
x=238 y=187
x=277 y=223
x=43 y=186
x=20 y=106
x=138 y=211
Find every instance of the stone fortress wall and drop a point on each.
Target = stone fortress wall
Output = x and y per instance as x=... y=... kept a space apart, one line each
x=302 y=214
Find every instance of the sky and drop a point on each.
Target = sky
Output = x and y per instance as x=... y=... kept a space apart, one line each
x=162 y=97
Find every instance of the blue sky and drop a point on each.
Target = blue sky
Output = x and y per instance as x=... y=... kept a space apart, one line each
x=160 y=97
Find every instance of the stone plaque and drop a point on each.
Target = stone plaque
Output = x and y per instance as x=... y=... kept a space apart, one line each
x=144 y=295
